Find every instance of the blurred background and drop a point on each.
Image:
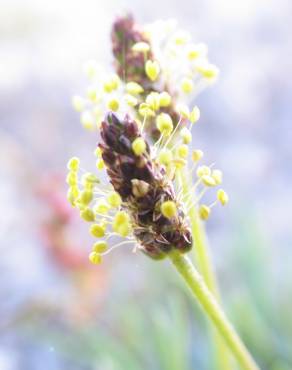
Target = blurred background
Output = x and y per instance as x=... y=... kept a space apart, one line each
x=57 y=311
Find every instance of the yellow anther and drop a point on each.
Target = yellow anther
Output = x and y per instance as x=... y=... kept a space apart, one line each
x=100 y=247
x=100 y=164
x=195 y=114
x=204 y=212
x=113 y=104
x=146 y=111
x=179 y=163
x=91 y=68
x=217 y=176
x=164 y=124
x=181 y=38
x=208 y=70
x=87 y=120
x=222 y=196
x=197 y=155
x=134 y=88
x=164 y=99
x=165 y=157
x=131 y=100
x=153 y=100
x=85 y=197
x=101 y=207
x=115 y=81
x=152 y=69
x=98 y=231
x=73 y=164
x=186 y=135
x=183 y=151
x=97 y=152
x=92 y=93
x=95 y=258
x=141 y=47
x=72 y=194
x=89 y=178
x=195 y=51
x=183 y=110
x=87 y=215
x=203 y=171
x=139 y=146
x=208 y=180
x=114 y=199
x=121 y=217
x=78 y=103
x=72 y=178
x=107 y=87
x=111 y=84
x=168 y=209
x=187 y=85
x=121 y=224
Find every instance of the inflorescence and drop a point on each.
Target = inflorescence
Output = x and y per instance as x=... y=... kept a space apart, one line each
x=145 y=202
x=158 y=69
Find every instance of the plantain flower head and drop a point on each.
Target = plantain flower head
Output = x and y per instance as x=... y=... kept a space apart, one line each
x=157 y=69
x=143 y=201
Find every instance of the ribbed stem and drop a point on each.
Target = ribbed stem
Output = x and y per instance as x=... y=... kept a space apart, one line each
x=211 y=308
x=205 y=267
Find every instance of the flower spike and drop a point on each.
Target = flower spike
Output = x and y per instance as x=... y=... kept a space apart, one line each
x=147 y=194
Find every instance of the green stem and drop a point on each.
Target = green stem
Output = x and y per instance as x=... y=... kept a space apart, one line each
x=205 y=267
x=209 y=304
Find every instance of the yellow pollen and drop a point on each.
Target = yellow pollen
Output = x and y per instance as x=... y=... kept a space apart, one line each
x=183 y=151
x=217 y=176
x=153 y=100
x=186 y=135
x=165 y=157
x=100 y=247
x=187 y=85
x=208 y=180
x=203 y=171
x=72 y=178
x=113 y=105
x=183 y=110
x=141 y=47
x=164 y=99
x=164 y=124
x=145 y=110
x=73 y=164
x=197 y=155
x=100 y=164
x=208 y=70
x=121 y=223
x=87 y=215
x=85 y=197
x=204 y=212
x=87 y=120
x=152 y=69
x=195 y=114
x=139 y=146
x=134 y=88
x=168 y=209
x=95 y=258
x=131 y=100
x=78 y=103
x=222 y=196
x=72 y=195
x=114 y=199
x=101 y=207
x=97 y=230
